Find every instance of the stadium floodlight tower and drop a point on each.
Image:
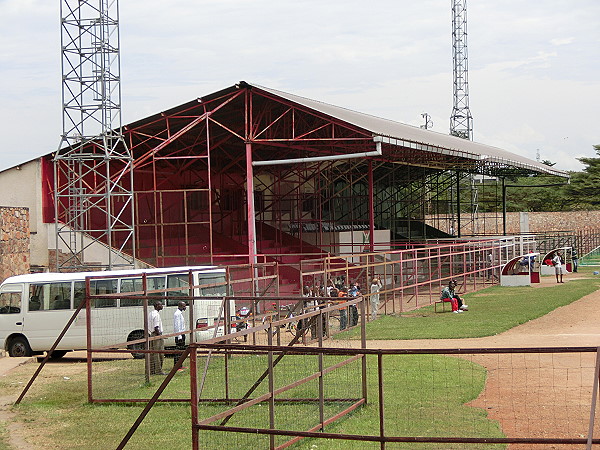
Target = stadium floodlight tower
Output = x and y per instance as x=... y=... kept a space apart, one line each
x=461 y=121
x=93 y=176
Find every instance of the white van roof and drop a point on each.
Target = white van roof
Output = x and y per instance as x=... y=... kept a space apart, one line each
x=70 y=276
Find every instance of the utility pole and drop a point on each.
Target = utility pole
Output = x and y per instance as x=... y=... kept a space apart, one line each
x=93 y=168
x=428 y=122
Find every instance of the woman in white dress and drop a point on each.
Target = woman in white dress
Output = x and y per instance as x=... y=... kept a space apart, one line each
x=374 y=298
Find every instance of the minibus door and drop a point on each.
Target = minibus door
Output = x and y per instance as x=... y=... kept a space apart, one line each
x=12 y=314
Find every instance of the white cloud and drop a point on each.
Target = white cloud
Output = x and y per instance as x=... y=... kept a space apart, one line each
x=533 y=65
x=562 y=41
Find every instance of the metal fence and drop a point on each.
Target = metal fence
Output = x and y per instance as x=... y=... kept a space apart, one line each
x=414 y=277
x=317 y=397
x=529 y=396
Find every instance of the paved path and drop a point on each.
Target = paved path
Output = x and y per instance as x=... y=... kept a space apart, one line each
x=7 y=363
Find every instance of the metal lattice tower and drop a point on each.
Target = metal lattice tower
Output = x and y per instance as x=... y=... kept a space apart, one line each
x=93 y=167
x=461 y=121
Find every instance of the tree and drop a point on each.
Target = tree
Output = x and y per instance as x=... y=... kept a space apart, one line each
x=537 y=193
x=584 y=190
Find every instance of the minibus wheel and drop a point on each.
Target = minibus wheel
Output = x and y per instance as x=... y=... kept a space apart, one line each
x=19 y=347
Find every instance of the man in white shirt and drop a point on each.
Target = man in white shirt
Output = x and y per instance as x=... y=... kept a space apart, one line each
x=558 y=270
x=156 y=329
x=179 y=327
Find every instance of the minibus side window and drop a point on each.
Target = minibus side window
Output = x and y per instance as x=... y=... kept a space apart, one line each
x=60 y=295
x=131 y=285
x=177 y=281
x=49 y=296
x=100 y=287
x=156 y=284
x=10 y=302
x=218 y=291
x=78 y=293
x=38 y=297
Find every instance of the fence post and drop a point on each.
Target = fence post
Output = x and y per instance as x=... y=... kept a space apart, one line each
x=254 y=313
x=226 y=331
x=363 y=344
x=88 y=325
x=271 y=386
x=320 y=362
x=194 y=395
x=401 y=264
x=594 y=398
x=381 y=399
x=146 y=331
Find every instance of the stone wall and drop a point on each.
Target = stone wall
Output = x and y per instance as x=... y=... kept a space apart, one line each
x=14 y=241
x=556 y=221
x=537 y=222
x=522 y=222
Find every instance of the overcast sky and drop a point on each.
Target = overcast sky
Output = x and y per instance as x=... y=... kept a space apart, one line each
x=534 y=66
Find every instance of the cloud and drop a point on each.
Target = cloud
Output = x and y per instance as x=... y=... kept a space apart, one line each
x=533 y=65
x=563 y=41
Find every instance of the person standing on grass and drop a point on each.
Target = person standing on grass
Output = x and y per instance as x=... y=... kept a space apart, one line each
x=374 y=298
x=156 y=329
x=558 y=264
x=354 y=291
x=179 y=327
x=575 y=258
x=489 y=262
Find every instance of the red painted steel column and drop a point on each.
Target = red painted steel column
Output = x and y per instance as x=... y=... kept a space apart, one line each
x=371 y=209
x=250 y=205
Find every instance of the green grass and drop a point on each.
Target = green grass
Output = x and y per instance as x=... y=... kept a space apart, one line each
x=591 y=259
x=4 y=437
x=491 y=311
x=423 y=396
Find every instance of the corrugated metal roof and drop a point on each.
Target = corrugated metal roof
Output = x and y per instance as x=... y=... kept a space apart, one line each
x=408 y=135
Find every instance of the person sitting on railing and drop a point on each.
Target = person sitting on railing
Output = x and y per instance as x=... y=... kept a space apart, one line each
x=448 y=295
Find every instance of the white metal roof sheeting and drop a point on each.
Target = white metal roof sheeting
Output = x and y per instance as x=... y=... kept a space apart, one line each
x=414 y=137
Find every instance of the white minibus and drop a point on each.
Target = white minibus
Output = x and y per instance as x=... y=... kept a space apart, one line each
x=34 y=308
